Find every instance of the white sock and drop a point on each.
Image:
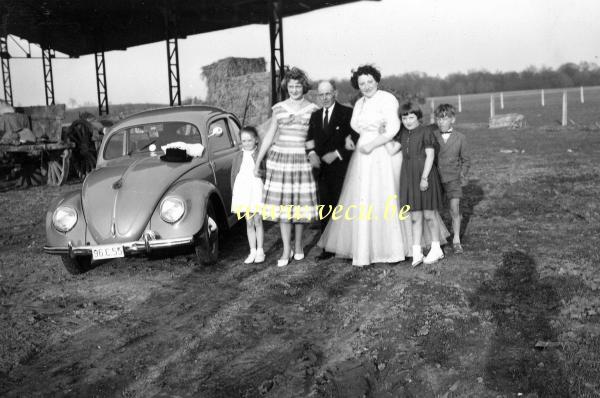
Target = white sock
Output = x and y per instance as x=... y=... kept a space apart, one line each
x=435 y=245
x=416 y=249
x=260 y=250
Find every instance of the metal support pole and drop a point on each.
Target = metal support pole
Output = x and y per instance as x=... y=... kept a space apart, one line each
x=4 y=54
x=47 y=55
x=101 y=83
x=173 y=58
x=276 y=36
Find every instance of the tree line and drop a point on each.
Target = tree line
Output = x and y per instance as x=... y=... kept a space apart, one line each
x=419 y=85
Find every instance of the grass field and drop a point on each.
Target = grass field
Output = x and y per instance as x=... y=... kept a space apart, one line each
x=517 y=315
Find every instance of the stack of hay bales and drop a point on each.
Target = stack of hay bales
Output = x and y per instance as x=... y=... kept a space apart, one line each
x=241 y=86
x=5 y=108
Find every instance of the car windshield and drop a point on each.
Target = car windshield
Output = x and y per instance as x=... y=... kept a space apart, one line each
x=149 y=138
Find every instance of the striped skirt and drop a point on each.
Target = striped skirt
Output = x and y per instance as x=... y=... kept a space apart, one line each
x=290 y=191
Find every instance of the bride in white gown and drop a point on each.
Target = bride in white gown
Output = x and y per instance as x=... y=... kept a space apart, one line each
x=369 y=229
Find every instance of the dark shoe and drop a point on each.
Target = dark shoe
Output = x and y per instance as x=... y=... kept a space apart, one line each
x=457 y=248
x=325 y=255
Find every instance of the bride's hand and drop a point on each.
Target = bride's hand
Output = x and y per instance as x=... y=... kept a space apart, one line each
x=349 y=144
x=393 y=147
x=366 y=149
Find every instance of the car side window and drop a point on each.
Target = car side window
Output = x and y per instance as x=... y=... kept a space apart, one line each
x=235 y=131
x=114 y=146
x=218 y=136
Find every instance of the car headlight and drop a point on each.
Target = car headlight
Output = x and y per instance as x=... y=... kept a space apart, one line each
x=172 y=209
x=64 y=218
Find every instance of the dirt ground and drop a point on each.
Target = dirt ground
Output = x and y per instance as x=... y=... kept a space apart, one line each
x=516 y=315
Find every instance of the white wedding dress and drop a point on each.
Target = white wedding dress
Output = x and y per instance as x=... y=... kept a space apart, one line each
x=373 y=182
x=375 y=234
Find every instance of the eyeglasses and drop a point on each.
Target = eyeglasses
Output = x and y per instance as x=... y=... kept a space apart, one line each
x=326 y=95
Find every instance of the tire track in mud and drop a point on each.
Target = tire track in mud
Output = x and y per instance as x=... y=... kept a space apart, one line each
x=256 y=328
x=169 y=315
x=106 y=353
x=274 y=339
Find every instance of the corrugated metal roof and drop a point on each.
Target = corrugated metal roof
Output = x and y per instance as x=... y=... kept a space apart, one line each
x=80 y=27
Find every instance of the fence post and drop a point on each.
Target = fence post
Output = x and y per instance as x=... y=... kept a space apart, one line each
x=543 y=101
x=564 y=108
x=581 y=94
x=492 y=110
x=459 y=103
x=501 y=100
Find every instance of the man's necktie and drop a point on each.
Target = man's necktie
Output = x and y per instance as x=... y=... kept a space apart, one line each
x=326 y=120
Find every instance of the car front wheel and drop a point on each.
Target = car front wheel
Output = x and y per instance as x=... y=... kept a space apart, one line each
x=77 y=265
x=207 y=240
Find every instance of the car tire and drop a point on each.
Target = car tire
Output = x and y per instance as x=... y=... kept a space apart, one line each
x=77 y=265
x=207 y=239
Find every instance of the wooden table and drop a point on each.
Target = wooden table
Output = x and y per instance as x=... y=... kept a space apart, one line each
x=36 y=161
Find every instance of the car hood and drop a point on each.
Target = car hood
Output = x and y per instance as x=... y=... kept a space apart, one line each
x=118 y=200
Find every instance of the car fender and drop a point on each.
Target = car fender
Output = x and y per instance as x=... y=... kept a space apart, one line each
x=195 y=194
x=76 y=235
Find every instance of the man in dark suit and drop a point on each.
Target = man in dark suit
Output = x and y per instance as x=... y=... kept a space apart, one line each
x=334 y=140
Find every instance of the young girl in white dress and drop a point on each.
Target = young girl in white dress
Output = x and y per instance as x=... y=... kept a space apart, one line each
x=247 y=193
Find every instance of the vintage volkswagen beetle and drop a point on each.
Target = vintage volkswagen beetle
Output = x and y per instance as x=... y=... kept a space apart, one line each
x=137 y=201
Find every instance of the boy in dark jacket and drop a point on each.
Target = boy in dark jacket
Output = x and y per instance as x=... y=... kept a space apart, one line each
x=453 y=165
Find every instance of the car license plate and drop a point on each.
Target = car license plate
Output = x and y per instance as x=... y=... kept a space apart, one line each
x=107 y=251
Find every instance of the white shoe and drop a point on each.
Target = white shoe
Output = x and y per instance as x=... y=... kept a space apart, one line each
x=299 y=256
x=417 y=259
x=282 y=262
x=251 y=257
x=260 y=256
x=434 y=255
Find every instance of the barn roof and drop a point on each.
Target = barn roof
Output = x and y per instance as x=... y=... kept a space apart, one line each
x=80 y=27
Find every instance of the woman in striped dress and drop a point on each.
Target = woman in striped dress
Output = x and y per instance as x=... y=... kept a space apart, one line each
x=290 y=192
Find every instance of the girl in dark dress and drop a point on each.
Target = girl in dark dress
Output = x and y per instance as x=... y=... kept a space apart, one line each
x=419 y=182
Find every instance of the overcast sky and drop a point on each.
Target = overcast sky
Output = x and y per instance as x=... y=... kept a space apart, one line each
x=433 y=36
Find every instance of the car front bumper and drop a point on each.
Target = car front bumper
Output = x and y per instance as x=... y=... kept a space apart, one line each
x=129 y=248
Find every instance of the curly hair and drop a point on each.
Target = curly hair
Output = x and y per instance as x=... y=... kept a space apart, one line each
x=364 y=70
x=409 y=107
x=295 y=74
